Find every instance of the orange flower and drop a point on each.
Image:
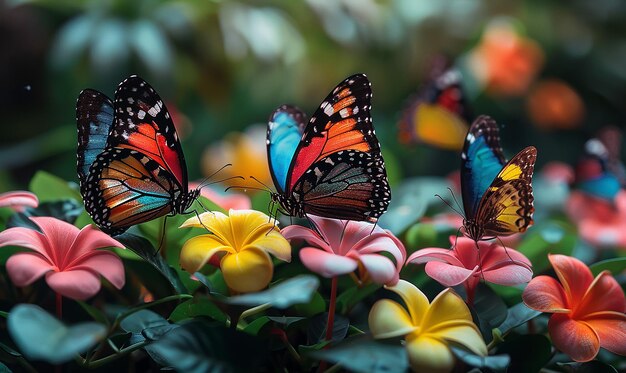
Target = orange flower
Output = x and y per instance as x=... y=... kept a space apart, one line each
x=504 y=62
x=554 y=104
x=588 y=313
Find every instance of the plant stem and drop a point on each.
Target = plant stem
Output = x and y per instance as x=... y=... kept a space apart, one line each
x=107 y=359
x=331 y=309
x=254 y=310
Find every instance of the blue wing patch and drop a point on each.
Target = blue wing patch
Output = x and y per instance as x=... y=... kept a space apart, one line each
x=284 y=133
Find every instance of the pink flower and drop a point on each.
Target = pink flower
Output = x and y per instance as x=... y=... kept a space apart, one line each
x=600 y=222
x=18 y=200
x=226 y=201
x=343 y=246
x=66 y=255
x=588 y=313
x=463 y=265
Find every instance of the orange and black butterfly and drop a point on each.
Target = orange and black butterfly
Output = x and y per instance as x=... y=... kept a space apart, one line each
x=438 y=115
x=330 y=166
x=130 y=165
x=497 y=195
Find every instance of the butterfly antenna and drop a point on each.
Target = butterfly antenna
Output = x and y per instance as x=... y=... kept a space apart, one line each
x=213 y=174
x=244 y=188
x=262 y=183
x=449 y=205
x=508 y=255
x=456 y=201
x=456 y=239
x=480 y=261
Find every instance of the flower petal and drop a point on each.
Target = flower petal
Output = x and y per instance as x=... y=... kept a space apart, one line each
x=435 y=254
x=574 y=275
x=59 y=235
x=17 y=200
x=545 y=294
x=429 y=355
x=247 y=225
x=269 y=239
x=507 y=268
x=105 y=263
x=447 y=306
x=380 y=268
x=88 y=240
x=389 y=319
x=461 y=332
x=604 y=294
x=449 y=275
x=296 y=232
x=326 y=264
x=333 y=230
x=197 y=251
x=247 y=271
x=28 y=238
x=79 y=285
x=416 y=302
x=576 y=339
x=26 y=268
x=382 y=241
x=611 y=329
x=216 y=222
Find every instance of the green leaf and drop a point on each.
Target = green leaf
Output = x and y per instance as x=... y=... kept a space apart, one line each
x=256 y=326
x=95 y=313
x=615 y=266
x=528 y=353
x=40 y=336
x=295 y=290
x=516 y=316
x=146 y=251
x=347 y=299
x=199 y=306
x=151 y=46
x=286 y=321
x=316 y=305
x=552 y=238
x=490 y=309
x=67 y=210
x=199 y=347
x=594 y=366
x=4 y=369
x=142 y=319
x=48 y=187
x=316 y=332
x=366 y=356
x=496 y=363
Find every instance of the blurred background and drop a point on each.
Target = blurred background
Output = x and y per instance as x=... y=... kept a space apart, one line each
x=552 y=73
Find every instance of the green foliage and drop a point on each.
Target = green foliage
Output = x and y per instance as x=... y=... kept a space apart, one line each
x=363 y=355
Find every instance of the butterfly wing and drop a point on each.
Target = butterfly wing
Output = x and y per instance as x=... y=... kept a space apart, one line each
x=284 y=131
x=507 y=205
x=142 y=123
x=94 y=118
x=338 y=170
x=125 y=188
x=481 y=161
x=438 y=115
x=594 y=175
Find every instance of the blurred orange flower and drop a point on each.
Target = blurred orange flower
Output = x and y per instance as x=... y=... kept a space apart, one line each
x=245 y=151
x=554 y=104
x=504 y=62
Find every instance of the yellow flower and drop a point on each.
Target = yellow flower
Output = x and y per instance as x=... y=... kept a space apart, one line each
x=244 y=239
x=429 y=328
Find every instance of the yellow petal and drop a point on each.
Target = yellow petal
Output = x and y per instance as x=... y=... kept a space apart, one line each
x=247 y=271
x=415 y=300
x=429 y=355
x=197 y=251
x=246 y=222
x=462 y=332
x=272 y=242
x=447 y=306
x=389 y=319
x=216 y=222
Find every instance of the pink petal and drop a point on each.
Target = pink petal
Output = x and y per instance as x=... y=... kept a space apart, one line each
x=28 y=238
x=78 y=285
x=466 y=250
x=334 y=231
x=380 y=268
x=545 y=294
x=576 y=339
x=326 y=264
x=88 y=240
x=359 y=234
x=105 y=263
x=574 y=275
x=611 y=329
x=604 y=294
x=435 y=254
x=26 y=268
x=296 y=232
x=18 y=200
x=506 y=267
x=59 y=234
x=382 y=241
x=449 y=275
x=227 y=201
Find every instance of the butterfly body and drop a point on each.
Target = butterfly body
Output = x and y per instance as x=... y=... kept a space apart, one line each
x=139 y=172
x=497 y=195
x=331 y=165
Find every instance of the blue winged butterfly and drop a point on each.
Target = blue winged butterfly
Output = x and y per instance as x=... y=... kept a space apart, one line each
x=438 y=115
x=497 y=195
x=330 y=165
x=130 y=164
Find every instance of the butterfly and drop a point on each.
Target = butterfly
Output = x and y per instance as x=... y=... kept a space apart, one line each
x=599 y=172
x=497 y=195
x=438 y=115
x=130 y=163
x=330 y=165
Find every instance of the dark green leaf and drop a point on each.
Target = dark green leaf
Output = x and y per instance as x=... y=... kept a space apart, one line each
x=48 y=187
x=40 y=336
x=615 y=266
x=66 y=210
x=366 y=356
x=144 y=249
x=316 y=305
x=203 y=280
x=95 y=313
x=4 y=369
x=295 y=290
x=547 y=238
x=490 y=309
x=316 y=332
x=199 y=347
x=256 y=326
x=516 y=316
x=528 y=353
x=286 y=321
x=497 y=363
x=588 y=367
x=200 y=306
x=142 y=319
x=347 y=299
